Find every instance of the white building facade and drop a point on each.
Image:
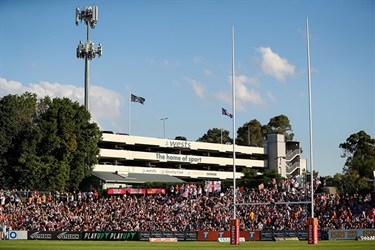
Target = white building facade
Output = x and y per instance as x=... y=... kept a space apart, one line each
x=125 y=159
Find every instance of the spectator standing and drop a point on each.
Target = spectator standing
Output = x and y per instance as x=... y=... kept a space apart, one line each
x=3 y=229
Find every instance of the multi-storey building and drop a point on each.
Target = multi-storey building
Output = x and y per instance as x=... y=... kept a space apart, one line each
x=125 y=159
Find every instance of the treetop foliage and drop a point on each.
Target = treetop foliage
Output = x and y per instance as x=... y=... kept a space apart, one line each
x=45 y=144
x=252 y=133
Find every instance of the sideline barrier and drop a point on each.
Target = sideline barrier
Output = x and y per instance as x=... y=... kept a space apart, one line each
x=53 y=235
x=350 y=234
x=286 y=239
x=16 y=235
x=365 y=238
x=180 y=235
x=270 y=235
x=242 y=239
x=162 y=239
x=264 y=235
x=216 y=235
x=110 y=236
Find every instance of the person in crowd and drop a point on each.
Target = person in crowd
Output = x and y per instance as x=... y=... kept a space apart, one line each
x=3 y=229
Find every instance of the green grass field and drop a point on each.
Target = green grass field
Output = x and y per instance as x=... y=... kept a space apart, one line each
x=196 y=245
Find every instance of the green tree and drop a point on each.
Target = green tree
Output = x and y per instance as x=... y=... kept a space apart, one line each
x=250 y=130
x=252 y=179
x=359 y=151
x=73 y=140
x=279 y=125
x=18 y=135
x=335 y=181
x=216 y=135
x=51 y=144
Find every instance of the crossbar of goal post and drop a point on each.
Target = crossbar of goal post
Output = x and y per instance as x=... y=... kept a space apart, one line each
x=273 y=203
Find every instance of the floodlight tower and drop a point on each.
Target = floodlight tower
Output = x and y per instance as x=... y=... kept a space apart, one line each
x=88 y=50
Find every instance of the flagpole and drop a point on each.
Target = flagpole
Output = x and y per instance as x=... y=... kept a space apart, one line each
x=221 y=126
x=233 y=128
x=129 y=111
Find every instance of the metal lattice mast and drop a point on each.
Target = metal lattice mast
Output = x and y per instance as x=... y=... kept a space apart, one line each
x=88 y=51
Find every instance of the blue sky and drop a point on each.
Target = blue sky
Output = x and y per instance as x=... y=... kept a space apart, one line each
x=178 y=56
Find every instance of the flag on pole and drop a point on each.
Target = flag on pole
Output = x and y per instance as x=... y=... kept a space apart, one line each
x=139 y=99
x=226 y=112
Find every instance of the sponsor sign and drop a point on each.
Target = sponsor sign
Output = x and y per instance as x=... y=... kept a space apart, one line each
x=350 y=234
x=312 y=232
x=302 y=234
x=177 y=144
x=235 y=231
x=156 y=191
x=16 y=235
x=215 y=235
x=278 y=234
x=53 y=235
x=117 y=191
x=162 y=239
x=179 y=235
x=266 y=235
x=144 y=236
x=290 y=233
x=242 y=239
x=115 y=236
x=365 y=238
x=156 y=234
x=32 y=235
x=190 y=236
x=164 y=157
x=136 y=191
x=168 y=234
x=69 y=236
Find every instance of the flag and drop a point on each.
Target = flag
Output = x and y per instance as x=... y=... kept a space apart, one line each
x=139 y=99
x=226 y=112
x=213 y=186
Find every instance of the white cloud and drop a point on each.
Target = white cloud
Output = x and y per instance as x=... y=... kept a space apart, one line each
x=208 y=72
x=198 y=88
x=224 y=96
x=168 y=64
x=272 y=64
x=197 y=60
x=244 y=95
x=101 y=100
x=271 y=97
x=164 y=63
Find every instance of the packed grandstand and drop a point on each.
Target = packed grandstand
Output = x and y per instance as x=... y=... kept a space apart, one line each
x=185 y=207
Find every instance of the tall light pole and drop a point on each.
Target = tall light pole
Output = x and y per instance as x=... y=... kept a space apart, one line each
x=88 y=50
x=248 y=132
x=164 y=121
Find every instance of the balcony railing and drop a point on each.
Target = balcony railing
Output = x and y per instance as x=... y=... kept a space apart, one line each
x=292 y=168
x=291 y=154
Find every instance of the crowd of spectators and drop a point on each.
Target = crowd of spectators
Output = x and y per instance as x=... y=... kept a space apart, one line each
x=186 y=207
